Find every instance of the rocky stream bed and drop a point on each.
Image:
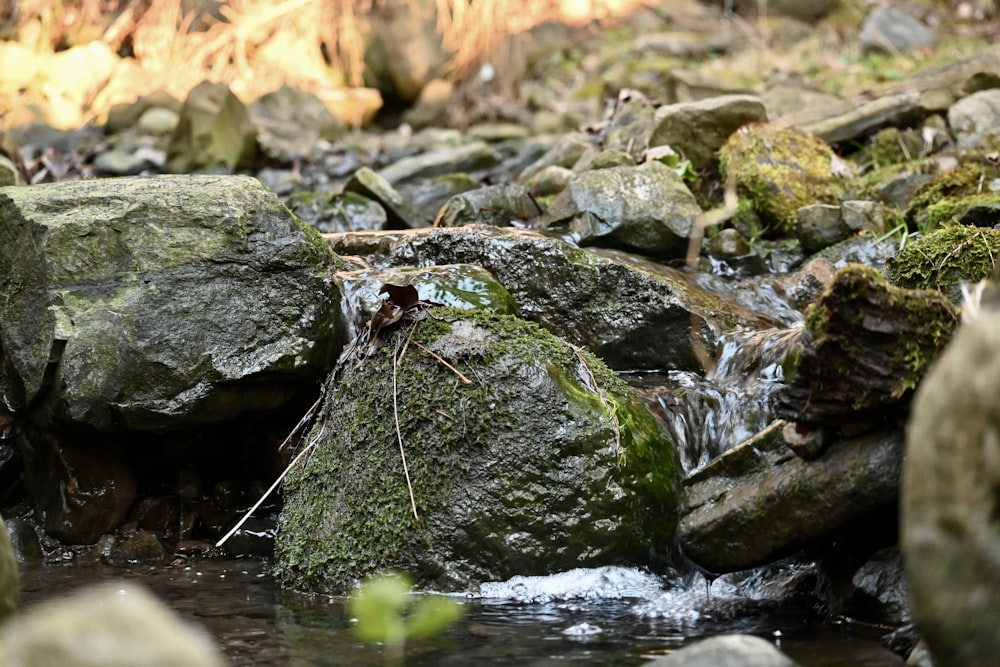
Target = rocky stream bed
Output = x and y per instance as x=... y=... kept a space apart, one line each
x=730 y=334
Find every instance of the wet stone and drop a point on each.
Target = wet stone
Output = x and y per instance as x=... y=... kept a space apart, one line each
x=819 y=226
x=369 y=183
x=498 y=205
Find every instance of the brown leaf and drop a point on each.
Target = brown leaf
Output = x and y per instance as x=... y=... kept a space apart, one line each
x=403 y=297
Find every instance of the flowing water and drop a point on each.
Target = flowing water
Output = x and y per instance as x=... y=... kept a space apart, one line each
x=707 y=415
x=603 y=616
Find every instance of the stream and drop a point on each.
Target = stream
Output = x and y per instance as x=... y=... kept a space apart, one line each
x=603 y=616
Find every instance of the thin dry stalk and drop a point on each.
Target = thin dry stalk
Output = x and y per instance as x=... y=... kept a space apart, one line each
x=445 y=363
x=397 y=358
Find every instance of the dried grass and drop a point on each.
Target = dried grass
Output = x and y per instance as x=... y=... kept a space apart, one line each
x=258 y=45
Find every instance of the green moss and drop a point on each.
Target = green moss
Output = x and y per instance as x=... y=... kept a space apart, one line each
x=944 y=258
x=327 y=540
x=942 y=200
x=778 y=170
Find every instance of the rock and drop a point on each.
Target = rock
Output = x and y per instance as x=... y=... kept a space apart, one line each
x=431 y=107
x=463 y=286
x=865 y=116
x=630 y=126
x=347 y=212
x=24 y=540
x=726 y=651
x=865 y=348
x=778 y=171
x=160 y=303
x=409 y=45
x=782 y=98
x=401 y=214
x=473 y=156
x=759 y=501
x=946 y=259
x=952 y=194
x=550 y=181
x=499 y=132
x=595 y=159
x=699 y=129
x=540 y=462
x=10 y=582
x=631 y=316
x=111 y=624
x=129 y=159
x=498 y=205
x=563 y=153
x=215 y=131
x=428 y=196
x=950 y=482
x=123 y=117
x=140 y=547
x=79 y=489
x=159 y=121
x=646 y=209
x=869 y=217
x=819 y=225
x=975 y=119
x=891 y=30
x=290 y=122
x=881 y=581
x=810 y=10
x=9 y=173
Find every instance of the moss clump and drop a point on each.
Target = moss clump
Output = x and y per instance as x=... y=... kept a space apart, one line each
x=944 y=258
x=869 y=344
x=503 y=469
x=944 y=199
x=778 y=170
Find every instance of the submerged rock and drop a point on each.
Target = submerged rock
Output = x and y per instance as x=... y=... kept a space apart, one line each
x=950 y=525
x=159 y=303
x=523 y=456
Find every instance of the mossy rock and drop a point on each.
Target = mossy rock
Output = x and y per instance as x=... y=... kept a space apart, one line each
x=778 y=170
x=525 y=455
x=865 y=348
x=945 y=258
x=949 y=196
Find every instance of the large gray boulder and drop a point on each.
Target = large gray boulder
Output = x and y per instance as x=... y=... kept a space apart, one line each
x=160 y=303
x=107 y=625
x=523 y=456
x=951 y=491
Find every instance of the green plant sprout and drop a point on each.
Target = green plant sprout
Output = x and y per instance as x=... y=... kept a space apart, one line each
x=387 y=613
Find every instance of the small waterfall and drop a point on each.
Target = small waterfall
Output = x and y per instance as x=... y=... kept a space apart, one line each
x=706 y=415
